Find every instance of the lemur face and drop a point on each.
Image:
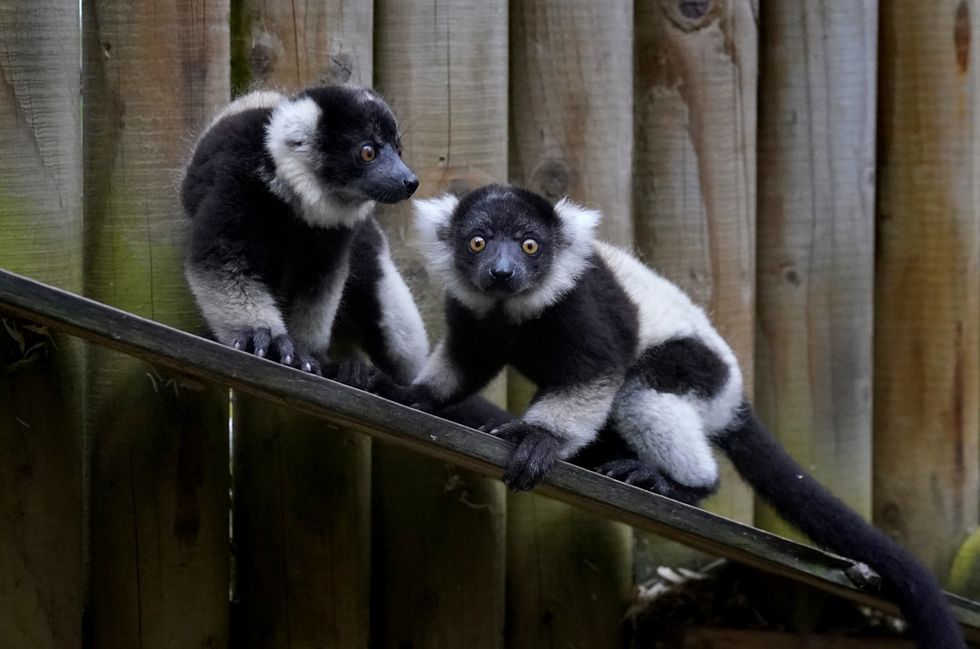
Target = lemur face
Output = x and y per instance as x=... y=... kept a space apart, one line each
x=503 y=241
x=347 y=140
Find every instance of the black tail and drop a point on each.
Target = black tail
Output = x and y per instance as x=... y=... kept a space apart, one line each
x=776 y=476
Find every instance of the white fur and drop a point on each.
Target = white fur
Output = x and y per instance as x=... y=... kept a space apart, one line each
x=667 y=431
x=575 y=413
x=578 y=227
x=440 y=374
x=290 y=140
x=231 y=302
x=311 y=321
x=257 y=99
x=401 y=323
x=666 y=312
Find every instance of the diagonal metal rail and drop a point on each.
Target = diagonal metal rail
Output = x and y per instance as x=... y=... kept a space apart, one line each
x=339 y=404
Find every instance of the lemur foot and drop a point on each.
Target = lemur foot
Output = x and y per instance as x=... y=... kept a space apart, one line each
x=634 y=472
x=353 y=373
x=536 y=454
x=282 y=349
x=413 y=396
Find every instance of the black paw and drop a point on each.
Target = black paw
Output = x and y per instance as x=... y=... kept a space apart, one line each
x=283 y=349
x=305 y=362
x=353 y=373
x=536 y=454
x=414 y=396
x=253 y=341
x=635 y=472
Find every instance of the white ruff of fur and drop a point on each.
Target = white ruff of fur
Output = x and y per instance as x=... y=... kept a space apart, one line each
x=257 y=99
x=432 y=218
x=578 y=227
x=289 y=138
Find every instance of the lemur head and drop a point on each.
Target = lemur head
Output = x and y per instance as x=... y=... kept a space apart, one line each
x=503 y=244
x=337 y=145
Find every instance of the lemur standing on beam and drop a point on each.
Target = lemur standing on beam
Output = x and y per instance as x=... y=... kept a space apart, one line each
x=280 y=191
x=615 y=348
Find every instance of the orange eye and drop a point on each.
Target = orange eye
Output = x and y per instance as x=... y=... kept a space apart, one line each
x=530 y=246
x=477 y=244
x=368 y=153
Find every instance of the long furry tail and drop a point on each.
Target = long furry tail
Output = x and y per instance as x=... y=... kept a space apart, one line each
x=777 y=477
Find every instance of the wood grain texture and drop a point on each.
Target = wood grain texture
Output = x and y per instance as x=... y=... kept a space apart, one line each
x=302 y=499
x=156 y=443
x=695 y=180
x=927 y=279
x=571 y=133
x=571 y=105
x=290 y=45
x=816 y=241
x=41 y=553
x=739 y=639
x=439 y=531
x=340 y=405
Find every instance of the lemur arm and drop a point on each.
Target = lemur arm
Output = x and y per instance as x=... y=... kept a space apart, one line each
x=560 y=421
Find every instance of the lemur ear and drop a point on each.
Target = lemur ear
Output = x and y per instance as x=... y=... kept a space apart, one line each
x=578 y=222
x=292 y=125
x=432 y=216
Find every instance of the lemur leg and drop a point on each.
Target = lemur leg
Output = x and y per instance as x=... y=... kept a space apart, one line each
x=559 y=422
x=312 y=314
x=672 y=452
x=240 y=311
x=378 y=309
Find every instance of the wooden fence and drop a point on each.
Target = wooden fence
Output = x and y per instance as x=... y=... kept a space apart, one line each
x=808 y=171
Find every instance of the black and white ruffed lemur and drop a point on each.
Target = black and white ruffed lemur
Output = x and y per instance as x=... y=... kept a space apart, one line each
x=616 y=349
x=283 y=246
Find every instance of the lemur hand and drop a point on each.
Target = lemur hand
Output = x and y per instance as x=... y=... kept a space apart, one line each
x=536 y=454
x=282 y=349
x=414 y=396
x=353 y=373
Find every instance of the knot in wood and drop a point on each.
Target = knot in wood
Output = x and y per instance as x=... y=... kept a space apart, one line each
x=340 y=68
x=552 y=178
x=689 y=15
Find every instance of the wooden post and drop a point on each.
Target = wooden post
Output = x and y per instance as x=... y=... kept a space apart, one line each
x=695 y=178
x=41 y=553
x=439 y=531
x=926 y=482
x=569 y=572
x=816 y=241
x=302 y=493
x=157 y=443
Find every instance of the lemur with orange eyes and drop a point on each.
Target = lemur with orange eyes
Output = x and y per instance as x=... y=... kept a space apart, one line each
x=284 y=248
x=619 y=352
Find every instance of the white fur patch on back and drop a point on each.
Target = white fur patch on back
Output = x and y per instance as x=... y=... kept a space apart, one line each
x=432 y=219
x=575 y=413
x=257 y=99
x=401 y=323
x=290 y=140
x=578 y=228
x=231 y=302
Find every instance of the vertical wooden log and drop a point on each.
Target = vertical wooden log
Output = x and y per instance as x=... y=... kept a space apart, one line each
x=568 y=572
x=41 y=588
x=816 y=240
x=289 y=45
x=157 y=443
x=302 y=491
x=926 y=278
x=694 y=185
x=439 y=531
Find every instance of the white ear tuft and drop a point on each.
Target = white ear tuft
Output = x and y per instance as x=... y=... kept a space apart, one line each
x=432 y=215
x=579 y=221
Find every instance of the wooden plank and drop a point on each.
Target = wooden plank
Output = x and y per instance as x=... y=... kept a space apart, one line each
x=156 y=443
x=742 y=639
x=41 y=553
x=439 y=530
x=343 y=406
x=927 y=283
x=816 y=241
x=695 y=181
x=302 y=499
x=571 y=108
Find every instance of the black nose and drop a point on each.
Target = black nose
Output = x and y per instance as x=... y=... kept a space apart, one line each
x=501 y=273
x=411 y=184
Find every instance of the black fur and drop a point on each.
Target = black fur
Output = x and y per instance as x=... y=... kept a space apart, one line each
x=681 y=366
x=778 y=478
